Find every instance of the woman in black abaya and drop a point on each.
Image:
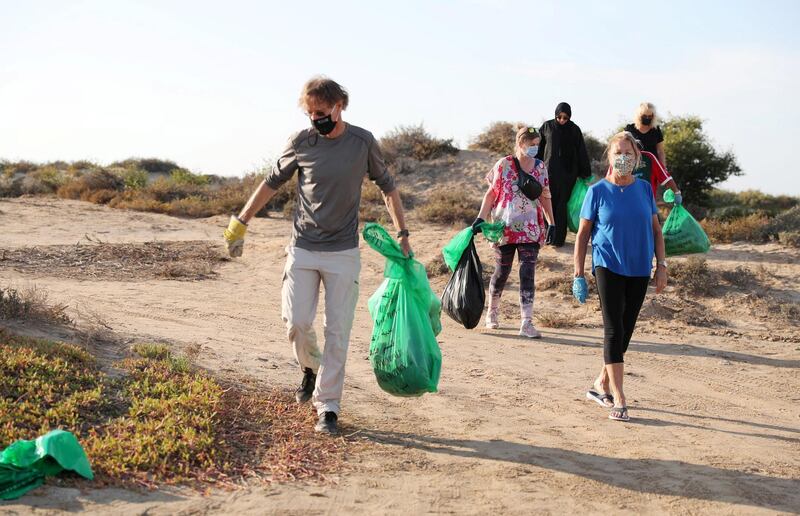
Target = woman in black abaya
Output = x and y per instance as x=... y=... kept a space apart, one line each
x=563 y=150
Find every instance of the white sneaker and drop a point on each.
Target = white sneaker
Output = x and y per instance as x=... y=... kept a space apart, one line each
x=528 y=330
x=491 y=320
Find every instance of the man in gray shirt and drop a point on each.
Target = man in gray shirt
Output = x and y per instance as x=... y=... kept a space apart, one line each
x=330 y=159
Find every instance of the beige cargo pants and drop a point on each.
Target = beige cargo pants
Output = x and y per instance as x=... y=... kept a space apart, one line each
x=338 y=271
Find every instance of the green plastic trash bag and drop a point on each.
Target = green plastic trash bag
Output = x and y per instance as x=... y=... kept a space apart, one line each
x=454 y=249
x=682 y=233
x=406 y=317
x=493 y=231
x=456 y=246
x=575 y=203
x=25 y=464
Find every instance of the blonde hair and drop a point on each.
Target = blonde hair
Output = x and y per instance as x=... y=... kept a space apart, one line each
x=645 y=106
x=627 y=136
x=526 y=133
x=324 y=89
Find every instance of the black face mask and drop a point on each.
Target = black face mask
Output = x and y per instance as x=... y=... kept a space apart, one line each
x=646 y=120
x=324 y=125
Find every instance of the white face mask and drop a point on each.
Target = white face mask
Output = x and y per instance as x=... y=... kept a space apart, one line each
x=623 y=165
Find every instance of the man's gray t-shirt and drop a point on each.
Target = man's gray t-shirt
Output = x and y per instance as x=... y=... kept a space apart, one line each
x=330 y=172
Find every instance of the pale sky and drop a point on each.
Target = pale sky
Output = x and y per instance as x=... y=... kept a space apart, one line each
x=214 y=85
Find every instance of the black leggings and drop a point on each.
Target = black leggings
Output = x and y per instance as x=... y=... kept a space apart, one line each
x=621 y=298
x=504 y=258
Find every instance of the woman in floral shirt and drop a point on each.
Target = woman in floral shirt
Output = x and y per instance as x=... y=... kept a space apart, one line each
x=525 y=226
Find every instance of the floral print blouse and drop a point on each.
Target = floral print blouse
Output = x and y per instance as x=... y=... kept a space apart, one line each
x=525 y=222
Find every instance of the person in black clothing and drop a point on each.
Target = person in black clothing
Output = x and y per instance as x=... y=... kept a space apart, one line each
x=564 y=152
x=645 y=129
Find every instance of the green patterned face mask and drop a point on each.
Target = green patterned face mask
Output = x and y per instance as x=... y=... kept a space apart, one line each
x=623 y=164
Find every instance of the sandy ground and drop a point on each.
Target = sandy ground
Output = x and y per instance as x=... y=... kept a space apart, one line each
x=716 y=410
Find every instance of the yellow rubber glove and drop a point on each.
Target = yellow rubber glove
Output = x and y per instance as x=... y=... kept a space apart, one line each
x=234 y=236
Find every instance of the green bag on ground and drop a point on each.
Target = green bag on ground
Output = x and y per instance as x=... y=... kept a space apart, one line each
x=406 y=317
x=682 y=233
x=452 y=252
x=575 y=203
x=25 y=464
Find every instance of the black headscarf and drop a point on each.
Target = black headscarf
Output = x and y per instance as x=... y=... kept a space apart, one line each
x=563 y=149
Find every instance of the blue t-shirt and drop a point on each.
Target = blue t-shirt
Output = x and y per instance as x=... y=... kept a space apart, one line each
x=622 y=230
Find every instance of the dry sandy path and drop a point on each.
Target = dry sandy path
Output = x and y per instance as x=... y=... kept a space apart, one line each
x=716 y=420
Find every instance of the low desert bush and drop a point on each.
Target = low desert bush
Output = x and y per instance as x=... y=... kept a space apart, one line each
x=31 y=304
x=84 y=186
x=449 y=207
x=733 y=205
x=151 y=165
x=436 y=267
x=181 y=176
x=158 y=419
x=693 y=276
x=752 y=228
x=415 y=142
x=135 y=179
x=556 y=320
x=499 y=138
x=787 y=221
x=789 y=238
x=43 y=180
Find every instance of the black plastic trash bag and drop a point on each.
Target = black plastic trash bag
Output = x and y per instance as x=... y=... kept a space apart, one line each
x=464 y=296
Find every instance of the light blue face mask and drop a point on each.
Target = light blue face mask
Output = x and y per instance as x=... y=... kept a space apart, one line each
x=532 y=151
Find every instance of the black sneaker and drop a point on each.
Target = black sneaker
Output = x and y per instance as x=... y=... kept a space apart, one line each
x=306 y=389
x=327 y=423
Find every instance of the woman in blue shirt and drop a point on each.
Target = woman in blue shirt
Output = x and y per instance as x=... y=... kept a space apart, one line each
x=619 y=214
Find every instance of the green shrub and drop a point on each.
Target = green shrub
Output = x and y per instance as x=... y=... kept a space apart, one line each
x=181 y=176
x=787 y=221
x=135 y=179
x=9 y=187
x=158 y=419
x=414 y=142
x=732 y=205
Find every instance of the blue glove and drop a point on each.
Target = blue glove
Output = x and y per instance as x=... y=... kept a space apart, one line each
x=476 y=226
x=580 y=289
x=678 y=199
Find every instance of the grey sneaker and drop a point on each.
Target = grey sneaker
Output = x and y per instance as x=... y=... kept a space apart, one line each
x=306 y=389
x=528 y=330
x=327 y=423
x=491 y=320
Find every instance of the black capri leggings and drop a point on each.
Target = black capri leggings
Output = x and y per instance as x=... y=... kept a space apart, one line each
x=621 y=298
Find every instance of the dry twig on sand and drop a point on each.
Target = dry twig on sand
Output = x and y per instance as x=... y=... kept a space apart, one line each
x=189 y=260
